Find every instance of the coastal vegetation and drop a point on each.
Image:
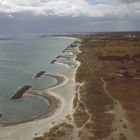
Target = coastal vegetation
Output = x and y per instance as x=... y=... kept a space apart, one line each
x=106 y=103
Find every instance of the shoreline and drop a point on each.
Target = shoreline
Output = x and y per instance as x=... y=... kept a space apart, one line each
x=44 y=93
x=53 y=101
x=105 y=106
x=56 y=98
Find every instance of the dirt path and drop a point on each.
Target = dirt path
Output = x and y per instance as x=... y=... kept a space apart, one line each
x=121 y=128
x=78 y=129
x=80 y=101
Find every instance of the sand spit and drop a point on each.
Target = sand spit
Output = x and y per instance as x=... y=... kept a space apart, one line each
x=61 y=105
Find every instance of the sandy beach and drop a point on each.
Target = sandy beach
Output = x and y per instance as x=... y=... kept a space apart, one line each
x=92 y=99
x=60 y=98
x=105 y=102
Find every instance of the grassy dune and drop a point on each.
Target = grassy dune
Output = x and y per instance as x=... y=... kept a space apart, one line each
x=106 y=104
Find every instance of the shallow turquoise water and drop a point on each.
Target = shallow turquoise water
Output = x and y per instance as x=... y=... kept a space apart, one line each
x=20 y=59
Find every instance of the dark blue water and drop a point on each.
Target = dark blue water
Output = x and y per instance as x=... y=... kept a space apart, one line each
x=20 y=59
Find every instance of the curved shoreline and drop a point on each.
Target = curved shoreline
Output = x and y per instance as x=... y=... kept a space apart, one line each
x=45 y=92
x=64 y=91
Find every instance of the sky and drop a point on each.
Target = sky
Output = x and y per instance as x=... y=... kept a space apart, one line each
x=58 y=16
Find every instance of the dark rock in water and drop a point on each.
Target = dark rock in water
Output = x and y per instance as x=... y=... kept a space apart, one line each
x=39 y=74
x=53 y=61
x=20 y=92
x=58 y=56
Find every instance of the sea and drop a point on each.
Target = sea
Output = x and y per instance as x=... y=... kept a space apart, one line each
x=20 y=58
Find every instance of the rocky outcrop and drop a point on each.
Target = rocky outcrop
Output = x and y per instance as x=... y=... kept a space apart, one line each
x=20 y=92
x=58 y=56
x=53 y=61
x=38 y=75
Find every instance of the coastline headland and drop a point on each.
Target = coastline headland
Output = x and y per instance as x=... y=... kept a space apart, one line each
x=59 y=97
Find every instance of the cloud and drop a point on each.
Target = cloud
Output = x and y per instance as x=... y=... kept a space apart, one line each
x=129 y=1
x=22 y=16
x=46 y=7
x=74 y=8
x=55 y=24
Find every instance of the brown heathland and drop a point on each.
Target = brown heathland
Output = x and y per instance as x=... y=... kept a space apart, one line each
x=106 y=104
